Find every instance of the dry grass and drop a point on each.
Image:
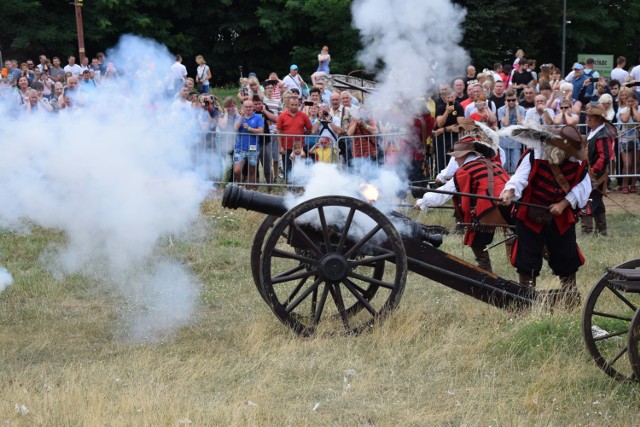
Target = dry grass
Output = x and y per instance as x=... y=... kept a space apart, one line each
x=441 y=359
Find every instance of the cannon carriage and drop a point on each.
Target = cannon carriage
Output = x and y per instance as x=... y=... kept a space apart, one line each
x=337 y=264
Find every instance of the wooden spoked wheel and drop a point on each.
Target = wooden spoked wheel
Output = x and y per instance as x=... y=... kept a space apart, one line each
x=607 y=317
x=335 y=259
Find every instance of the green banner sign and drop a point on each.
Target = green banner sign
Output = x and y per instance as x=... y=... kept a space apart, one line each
x=603 y=63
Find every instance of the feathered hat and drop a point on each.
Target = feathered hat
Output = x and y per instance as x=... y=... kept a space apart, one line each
x=485 y=139
x=535 y=136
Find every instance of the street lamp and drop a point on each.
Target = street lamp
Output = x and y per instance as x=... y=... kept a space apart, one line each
x=78 y=6
x=564 y=33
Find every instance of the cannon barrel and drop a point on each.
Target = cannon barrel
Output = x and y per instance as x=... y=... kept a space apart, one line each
x=235 y=197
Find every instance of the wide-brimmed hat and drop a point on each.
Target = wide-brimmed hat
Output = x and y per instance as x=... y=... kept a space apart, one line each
x=596 y=110
x=486 y=137
x=570 y=140
x=466 y=124
x=471 y=144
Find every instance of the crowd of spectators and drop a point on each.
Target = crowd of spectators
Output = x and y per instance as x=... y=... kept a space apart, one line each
x=283 y=120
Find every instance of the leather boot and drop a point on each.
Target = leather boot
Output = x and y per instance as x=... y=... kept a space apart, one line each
x=601 y=224
x=571 y=296
x=483 y=259
x=527 y=280
x=586 y=225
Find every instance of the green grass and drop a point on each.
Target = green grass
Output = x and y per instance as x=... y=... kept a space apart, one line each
x=442 y=358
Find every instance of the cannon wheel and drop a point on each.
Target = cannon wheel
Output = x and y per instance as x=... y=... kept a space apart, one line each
x=344 y=262
x=632 y=343
x=256 y=253
x=606 y=320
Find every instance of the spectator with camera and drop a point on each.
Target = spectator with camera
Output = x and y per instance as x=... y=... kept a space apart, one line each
x=446 y=134
x=268 y=145
x=363 y=128
x=248 y=126
x=327 y=126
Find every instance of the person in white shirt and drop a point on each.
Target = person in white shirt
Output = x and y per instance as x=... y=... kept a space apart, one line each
x=619 y=73
x=72 y=67
x=178 y=74
x=540 y=113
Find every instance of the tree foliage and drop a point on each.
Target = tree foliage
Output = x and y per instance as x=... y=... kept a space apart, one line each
x=269 y=35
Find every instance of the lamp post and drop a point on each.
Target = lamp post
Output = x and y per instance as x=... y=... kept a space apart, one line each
x=78 y=7
x=564 y=34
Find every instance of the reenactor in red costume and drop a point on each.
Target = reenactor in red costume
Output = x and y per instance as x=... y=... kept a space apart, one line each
x=480 y=172
x=553 y=173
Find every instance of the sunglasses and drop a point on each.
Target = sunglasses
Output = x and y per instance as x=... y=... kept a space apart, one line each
x=511 y=100
x=564 y=108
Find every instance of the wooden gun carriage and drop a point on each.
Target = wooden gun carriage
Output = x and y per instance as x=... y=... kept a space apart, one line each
x=337 y=264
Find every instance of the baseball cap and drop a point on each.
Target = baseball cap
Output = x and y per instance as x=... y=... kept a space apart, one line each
x=293 y=67
x=252 y=75
x=578 y=66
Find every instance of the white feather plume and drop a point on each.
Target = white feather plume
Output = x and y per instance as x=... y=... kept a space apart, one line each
x=529 y=133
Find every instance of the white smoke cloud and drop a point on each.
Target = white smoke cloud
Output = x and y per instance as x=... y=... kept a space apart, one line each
x=6 y=279
x=115 y=176
x=417 y=42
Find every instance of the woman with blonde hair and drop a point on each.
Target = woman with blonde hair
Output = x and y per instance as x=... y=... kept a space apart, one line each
x=203 y=75
x=606 y=102
x=323 y=64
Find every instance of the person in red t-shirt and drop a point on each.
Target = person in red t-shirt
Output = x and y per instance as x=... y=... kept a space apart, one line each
x=292 y=121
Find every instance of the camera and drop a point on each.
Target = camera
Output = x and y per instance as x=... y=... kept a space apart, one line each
x=308 y=103
x=450 y=103
x=206 y=103
x=325 y=113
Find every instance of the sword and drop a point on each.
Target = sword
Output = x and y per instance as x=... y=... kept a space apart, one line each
x=513 y=236
x=478 y=196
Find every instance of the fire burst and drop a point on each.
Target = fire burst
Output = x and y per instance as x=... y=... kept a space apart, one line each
x=370 y=192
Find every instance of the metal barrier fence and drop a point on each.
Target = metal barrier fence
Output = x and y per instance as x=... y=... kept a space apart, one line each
x=213 y=155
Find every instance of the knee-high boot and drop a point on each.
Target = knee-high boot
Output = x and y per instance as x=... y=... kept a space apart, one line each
x=482 y=258
x=527 y=280
x=601 y=224
x=570 y=289
x=586 y=225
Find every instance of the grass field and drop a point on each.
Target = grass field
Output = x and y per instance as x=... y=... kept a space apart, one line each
x=442 y=358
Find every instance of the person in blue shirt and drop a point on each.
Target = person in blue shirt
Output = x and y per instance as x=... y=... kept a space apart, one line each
x=248 y=126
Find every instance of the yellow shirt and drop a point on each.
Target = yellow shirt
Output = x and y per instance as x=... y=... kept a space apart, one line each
x=326 y=155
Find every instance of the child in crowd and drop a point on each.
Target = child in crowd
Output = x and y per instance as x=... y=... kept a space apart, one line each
x=298 y=156
x=324 y=151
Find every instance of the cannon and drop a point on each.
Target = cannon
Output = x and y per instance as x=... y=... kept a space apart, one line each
x=341 y=260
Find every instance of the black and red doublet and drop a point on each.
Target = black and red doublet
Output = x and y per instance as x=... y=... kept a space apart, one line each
x=558 y=235
x=599 y=156
x=475 y=177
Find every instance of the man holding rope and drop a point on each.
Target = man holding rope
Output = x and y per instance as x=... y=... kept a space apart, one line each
x=553 y=173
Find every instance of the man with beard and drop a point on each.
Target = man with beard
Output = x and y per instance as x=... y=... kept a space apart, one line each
x=553 y=174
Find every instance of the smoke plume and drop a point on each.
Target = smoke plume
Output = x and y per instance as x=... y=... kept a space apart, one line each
x=115 y=175
x=417 y=43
